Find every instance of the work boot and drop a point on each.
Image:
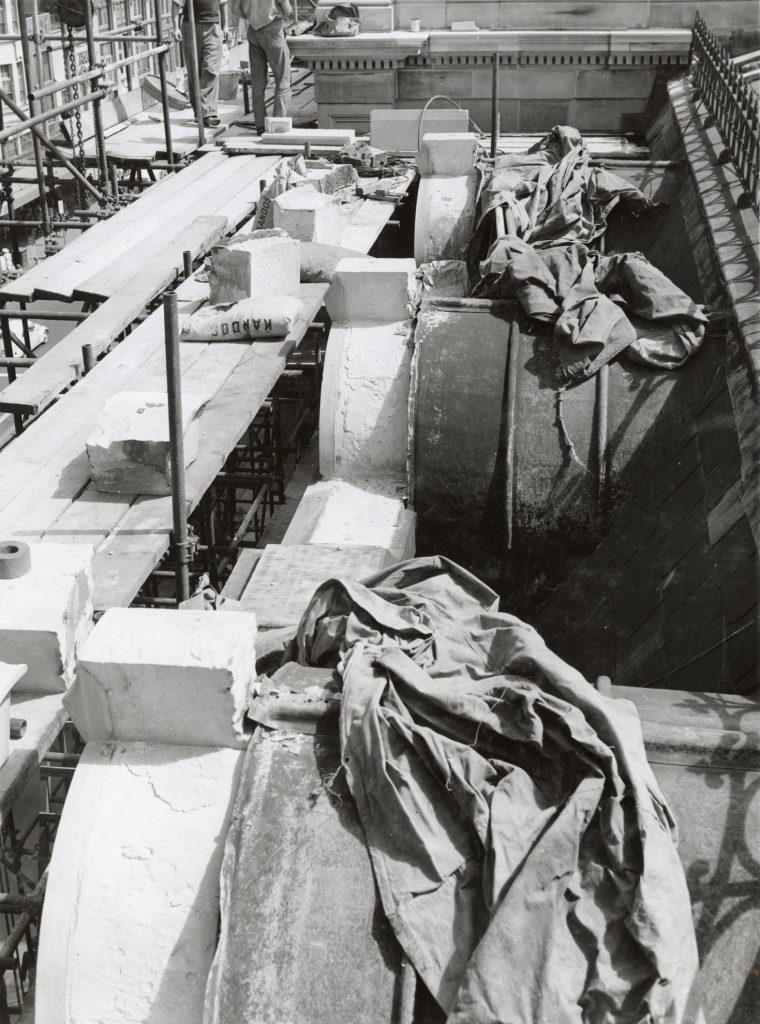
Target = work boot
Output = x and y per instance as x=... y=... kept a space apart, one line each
x=211 y=121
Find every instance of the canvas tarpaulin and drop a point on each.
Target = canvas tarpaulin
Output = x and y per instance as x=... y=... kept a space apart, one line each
x=553 y=192
x=558 y=205
x=524 y=855
x=601 y=305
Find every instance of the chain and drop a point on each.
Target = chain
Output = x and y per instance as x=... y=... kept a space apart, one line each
x=78 y=141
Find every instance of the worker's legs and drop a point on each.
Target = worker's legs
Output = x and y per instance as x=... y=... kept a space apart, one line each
x=208 y=48
x=268 y=46
x=259 y=71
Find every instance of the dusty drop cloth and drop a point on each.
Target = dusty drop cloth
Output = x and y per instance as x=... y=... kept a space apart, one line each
x=523 y=852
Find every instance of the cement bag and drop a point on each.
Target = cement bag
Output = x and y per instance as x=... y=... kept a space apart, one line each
x=287 y=174
x=249 y=319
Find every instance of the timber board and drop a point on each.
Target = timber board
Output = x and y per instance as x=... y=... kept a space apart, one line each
x=113 y=248
x=142 y=535
x=62 y=365
x=57 y=439
x=106 y=232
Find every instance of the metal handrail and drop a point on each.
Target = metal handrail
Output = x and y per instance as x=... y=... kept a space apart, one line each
x=731 y=101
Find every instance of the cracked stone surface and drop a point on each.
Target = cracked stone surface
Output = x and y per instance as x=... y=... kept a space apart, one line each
x=365 y=385
x=130 y=917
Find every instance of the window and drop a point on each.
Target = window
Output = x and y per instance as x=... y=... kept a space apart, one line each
x=21 y=86
x=3 y=19
x=6 y=79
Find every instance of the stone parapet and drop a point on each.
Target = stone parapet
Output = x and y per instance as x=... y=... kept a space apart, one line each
x=543 y=80
x=371 y=50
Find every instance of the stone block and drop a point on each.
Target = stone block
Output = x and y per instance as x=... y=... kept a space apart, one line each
x=334 y=138
x=608 y=115
x=278 y=124
x=359 y=87
x=484 y=14
x=534 y=115
x=421 y=83
x=181 y=677
x=129 y=450
x=363 y=419
x=366 y=290
x=253 y=267
x=339 y=513
x=533 y=83
x=9 y=676
x=309 y=215
x=445 y=217
x=287 y=576
x=131 y=911
x=400 y=131
x=447 y=154
x=630 y=82
x=46 y=613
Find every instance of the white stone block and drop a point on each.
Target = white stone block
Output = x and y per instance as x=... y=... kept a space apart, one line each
x=365 y=290
x=46 y=613
x=363 y=417
x=254 y=267
x=166 y=677
x=334 y=138
x=400 y=131
x=9 y=676
x=336 y=512
x=278 y=124
x=309 y=215
x=129 y=449
x=131 y=910
x=447 y=154
x=444 y=218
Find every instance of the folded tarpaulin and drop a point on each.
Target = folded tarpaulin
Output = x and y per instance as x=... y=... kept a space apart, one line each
x=524 y=855
x=610 y=303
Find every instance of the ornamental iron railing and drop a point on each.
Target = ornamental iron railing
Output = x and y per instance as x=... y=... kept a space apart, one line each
x=731 y=101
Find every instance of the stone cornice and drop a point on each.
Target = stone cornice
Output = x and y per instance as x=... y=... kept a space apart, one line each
x=377 y=50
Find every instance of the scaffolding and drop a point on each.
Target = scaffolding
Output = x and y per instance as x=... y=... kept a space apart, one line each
x=84 y=87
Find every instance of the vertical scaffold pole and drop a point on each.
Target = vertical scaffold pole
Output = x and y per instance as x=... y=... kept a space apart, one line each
x=495 y=119
x=26 y=54
x=162 y=78
x=177 y=446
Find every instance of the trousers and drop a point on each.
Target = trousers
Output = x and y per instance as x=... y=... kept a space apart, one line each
x=267 y=47
x=208 y=48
